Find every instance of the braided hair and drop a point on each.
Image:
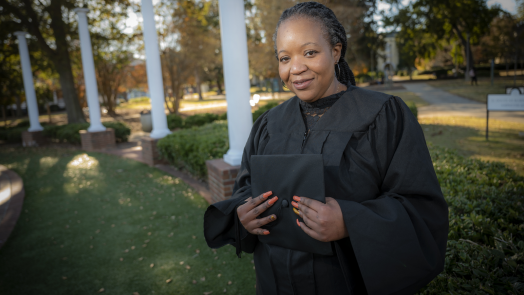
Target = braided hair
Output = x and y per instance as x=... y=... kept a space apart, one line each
x=333 y=31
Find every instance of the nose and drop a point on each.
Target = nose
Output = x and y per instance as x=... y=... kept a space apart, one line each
x=297 y=67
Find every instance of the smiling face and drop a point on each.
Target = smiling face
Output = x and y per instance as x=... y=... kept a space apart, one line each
x=306 y=60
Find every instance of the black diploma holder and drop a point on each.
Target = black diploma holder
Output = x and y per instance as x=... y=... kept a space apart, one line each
x=287 y=176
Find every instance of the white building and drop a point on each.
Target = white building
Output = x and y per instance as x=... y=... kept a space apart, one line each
x=390 y=55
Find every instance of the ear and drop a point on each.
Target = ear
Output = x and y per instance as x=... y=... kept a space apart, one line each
x=337 y=52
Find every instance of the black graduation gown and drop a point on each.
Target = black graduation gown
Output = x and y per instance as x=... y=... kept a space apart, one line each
x=378 y=168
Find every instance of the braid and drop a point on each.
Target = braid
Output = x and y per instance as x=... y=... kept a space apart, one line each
x=333 y=31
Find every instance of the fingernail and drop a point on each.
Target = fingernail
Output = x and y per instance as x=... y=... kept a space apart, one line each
x=273 y=217
x=295 y=204
x=272 y=201
x=296 y=211
x=296 y=198
x=265 y=195
x=266 y=232
x=298 y=223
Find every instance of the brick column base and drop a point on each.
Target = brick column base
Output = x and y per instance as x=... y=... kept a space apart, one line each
x=150 y=153
x=33 y=138
x=221 y=178
x=99 y=140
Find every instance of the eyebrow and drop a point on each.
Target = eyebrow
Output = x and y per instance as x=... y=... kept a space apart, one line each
x=305 y=44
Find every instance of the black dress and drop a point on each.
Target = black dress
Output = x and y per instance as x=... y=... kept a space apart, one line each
x=377 y=166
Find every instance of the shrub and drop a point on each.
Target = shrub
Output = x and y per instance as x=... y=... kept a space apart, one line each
x=199 y=120
x=189 y=149
x=174 y=121
x=413 y=108
x=13 y=134
x=222 y=116
x=70 y=132
x=261 y=110
x=485 y=252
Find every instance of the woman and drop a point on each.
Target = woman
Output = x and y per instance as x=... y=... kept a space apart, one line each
x=384 y=214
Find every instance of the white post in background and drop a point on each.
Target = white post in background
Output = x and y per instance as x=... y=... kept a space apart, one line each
x=89 y=72
x=236 y=77
x=27 y=73
x=154 y=72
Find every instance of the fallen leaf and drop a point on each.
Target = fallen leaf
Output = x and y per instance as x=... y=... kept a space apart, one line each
x=135 y=293
x=64 y=278
x=154 y=212
x=197 y=251
x=112 y=225
x=188 y=267
x=91 y=246
x=207 y=293
x=149 y=233
x=132 y=247
x=97 y=231
x=225 y=290
x=168 y=281
x=146 y=241
x=229 y=283
x=189 y=246
x=101 y=290
x=145 y=245
x=126 y=250
x=216 y=257
x=151 y=265
x=181 y=262
x=219 y=275
x=121 y=259
x=194 y=281
x=194 y=237
x=203 y=279
x=140 y=259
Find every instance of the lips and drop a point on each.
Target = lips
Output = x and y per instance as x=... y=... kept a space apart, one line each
x=302 y=84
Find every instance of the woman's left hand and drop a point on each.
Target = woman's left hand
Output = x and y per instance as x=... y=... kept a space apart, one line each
x=323 y=222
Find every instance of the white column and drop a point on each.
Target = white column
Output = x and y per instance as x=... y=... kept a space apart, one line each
x=236 y=77
x=27 y=73
x=154 y=72
x=88 y=65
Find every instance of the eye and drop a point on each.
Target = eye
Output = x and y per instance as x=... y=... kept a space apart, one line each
x=284 y=58
x=310 y=52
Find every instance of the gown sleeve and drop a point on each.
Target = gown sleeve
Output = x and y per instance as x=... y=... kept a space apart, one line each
x=399 y=237
x=221 y=223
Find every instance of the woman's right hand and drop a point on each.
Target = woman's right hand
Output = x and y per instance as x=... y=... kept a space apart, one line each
x=248 y=212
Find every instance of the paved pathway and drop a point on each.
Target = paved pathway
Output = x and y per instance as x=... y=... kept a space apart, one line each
x=443 y=103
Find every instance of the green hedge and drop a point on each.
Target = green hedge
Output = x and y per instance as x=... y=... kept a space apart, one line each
x=13 y=134
x=189 y=149
x=485 y=252
x=263 y=109
x=174 y=121
x=70 y=132
x=413 y=108
x=199 y=120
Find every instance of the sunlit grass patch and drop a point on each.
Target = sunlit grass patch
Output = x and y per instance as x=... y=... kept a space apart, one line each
x=478 y=93
x=468 y=136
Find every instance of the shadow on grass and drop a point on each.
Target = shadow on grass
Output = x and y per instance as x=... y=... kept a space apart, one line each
x=504 y=143
x=93 y=221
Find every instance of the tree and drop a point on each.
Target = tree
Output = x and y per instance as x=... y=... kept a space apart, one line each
x=445 y=19
x=53 y=24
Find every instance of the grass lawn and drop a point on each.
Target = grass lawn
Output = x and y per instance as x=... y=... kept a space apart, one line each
x=468 y=136
x=93 y=221
x=477 y=93
x=408 y=96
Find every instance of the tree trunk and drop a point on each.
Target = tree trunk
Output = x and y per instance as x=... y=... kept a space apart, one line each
x=62 y=63
x=4 y=116
x=467 y=48
x=219 y=87
x=198 y=84
x=18 y=106
x=166 y=101
x=48 y=112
